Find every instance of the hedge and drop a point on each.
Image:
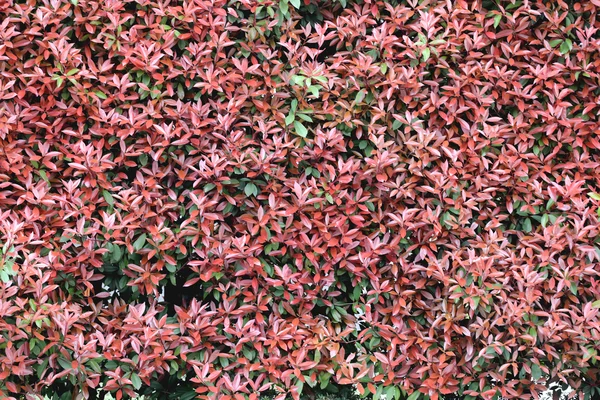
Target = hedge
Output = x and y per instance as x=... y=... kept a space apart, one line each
x=225 y=199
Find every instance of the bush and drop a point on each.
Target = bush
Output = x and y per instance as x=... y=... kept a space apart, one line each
x=228 y=198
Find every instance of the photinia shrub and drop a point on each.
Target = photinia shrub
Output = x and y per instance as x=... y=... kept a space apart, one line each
x=229 y=199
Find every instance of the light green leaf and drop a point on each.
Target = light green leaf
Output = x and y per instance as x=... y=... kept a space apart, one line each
x=73 y=72
x=305 y=117
x=108 y=197
x=136 y=381
x=295 y=3
x=297 y=80
x=250 y=189
x=390 y=392
x=284 y=6
x=497 y=20
x=290 y=118
x=314 y=90
x=594 y=196
x=300 y=129
x=44 y=176
x=360 y=96
x=426 y=53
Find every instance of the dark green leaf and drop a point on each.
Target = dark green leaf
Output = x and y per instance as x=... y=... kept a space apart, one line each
x=140 y=242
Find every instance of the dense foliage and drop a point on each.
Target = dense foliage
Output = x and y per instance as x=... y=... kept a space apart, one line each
x=236 y=198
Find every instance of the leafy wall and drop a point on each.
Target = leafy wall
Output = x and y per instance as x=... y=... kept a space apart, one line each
x=229 y=198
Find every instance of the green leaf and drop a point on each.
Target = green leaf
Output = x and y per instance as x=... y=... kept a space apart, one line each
x=249 y=353
x=66 y=365
x=143 y=159
x=544 y=220
x=295 y=3
x=284 y=6
x=100 y=94
x=73 y=72
x=399 y=393
x=414 y=396
x=297 y=80
x=426 y=53
x=94 y=365
x=140 y=242
x=300 y=129
x=189 y=395
x=566 y=46
x=250 y=189
x=290 y=118
x=390 y=392
x=378 y=393
x=44 y=176
x=42 y=366
x=136 y=381
x=108 y=197
x=594 y=196
x=299 y=386
x=116 y=254
x=514 y=5
x=527 y=225
x=497 y=20
x=555 y=42
x=573 y=288
x=360 y=96
x=536 y=371
x=596 y=304
x=305 y=117
x=324 y=379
